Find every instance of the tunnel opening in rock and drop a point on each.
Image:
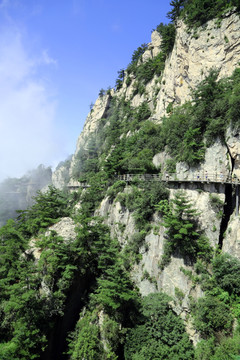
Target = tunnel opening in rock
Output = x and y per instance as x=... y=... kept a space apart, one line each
x=227 y=212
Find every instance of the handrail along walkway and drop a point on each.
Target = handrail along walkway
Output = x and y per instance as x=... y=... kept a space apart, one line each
x=193 y=177
x=173 y=177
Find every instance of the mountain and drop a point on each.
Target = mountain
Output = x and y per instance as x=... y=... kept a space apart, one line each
x=140 y=257
x=17 y=193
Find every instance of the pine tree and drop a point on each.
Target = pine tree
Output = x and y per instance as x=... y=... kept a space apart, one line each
x=183 y=235
x=176 y=10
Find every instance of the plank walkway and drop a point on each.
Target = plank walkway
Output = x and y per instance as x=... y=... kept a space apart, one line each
x=195 y=177
x=202 y=177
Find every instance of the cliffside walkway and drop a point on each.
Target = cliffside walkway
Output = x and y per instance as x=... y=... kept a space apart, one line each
x=198 y=177
x=193 y=177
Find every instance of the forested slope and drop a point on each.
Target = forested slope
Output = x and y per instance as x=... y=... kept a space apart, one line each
x=139 y=269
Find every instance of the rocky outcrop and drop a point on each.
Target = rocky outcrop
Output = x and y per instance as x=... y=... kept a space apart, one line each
x=60 y=177
x=233 y=145
x=64 y=228
x=122 y=227
x=231 y=243
x=119 y=220
x=97 y=112
x=194 y=54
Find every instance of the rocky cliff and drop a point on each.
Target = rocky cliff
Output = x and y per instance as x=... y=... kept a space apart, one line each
x=195 y=52
x=152 y=207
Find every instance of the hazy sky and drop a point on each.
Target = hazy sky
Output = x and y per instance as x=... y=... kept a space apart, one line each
x=55 y=56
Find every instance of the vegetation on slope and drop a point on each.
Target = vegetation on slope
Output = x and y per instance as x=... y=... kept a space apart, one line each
x=35 y=295
x=183 y=234
x=143 y=72
x=128 y=139
x=214 y=313
x=158 y=333
x=114 y=322
x=195 y=125
x=197 y=12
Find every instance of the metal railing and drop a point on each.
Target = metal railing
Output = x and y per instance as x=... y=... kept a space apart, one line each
x=193 y=177
x=201 y=177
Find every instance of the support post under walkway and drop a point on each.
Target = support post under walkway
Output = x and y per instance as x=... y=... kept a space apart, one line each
x=237 y=200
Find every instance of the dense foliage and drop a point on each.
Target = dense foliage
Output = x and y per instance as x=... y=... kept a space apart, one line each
x=48 y=207
x=192 y=126
x=34 y=295
x=197 y=12
x=158 y=333
x=183 y=235
x=80 y=288
x=167 y=33
x=214 y=313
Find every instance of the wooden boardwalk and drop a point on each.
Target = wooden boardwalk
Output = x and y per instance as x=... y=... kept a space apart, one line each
x=201 y=177
x=194 y=177
x=198 y=177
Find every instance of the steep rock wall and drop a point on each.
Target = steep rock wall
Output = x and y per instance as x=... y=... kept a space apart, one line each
x=91 y=124
x=193 y=55
x=121 y=223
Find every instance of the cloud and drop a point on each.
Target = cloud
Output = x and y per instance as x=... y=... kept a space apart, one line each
x=46 y=59
x=27 y=107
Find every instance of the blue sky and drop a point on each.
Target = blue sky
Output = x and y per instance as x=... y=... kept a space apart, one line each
x=55 y=56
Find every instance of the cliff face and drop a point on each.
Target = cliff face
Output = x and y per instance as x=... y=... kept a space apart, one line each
x=194 y=54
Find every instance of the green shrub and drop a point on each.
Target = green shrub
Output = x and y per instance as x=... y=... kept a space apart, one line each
x=167 y=33
x=136 y=241
x=47 y=208
x=226 y=270
x=196 y=13
x=226 y=349
x=158 y=334
x=216 y=203
x=85 y=342
x=128 y=81
x=142 y=201
x=182 y=232
x=211 y=317
x=117 y=187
